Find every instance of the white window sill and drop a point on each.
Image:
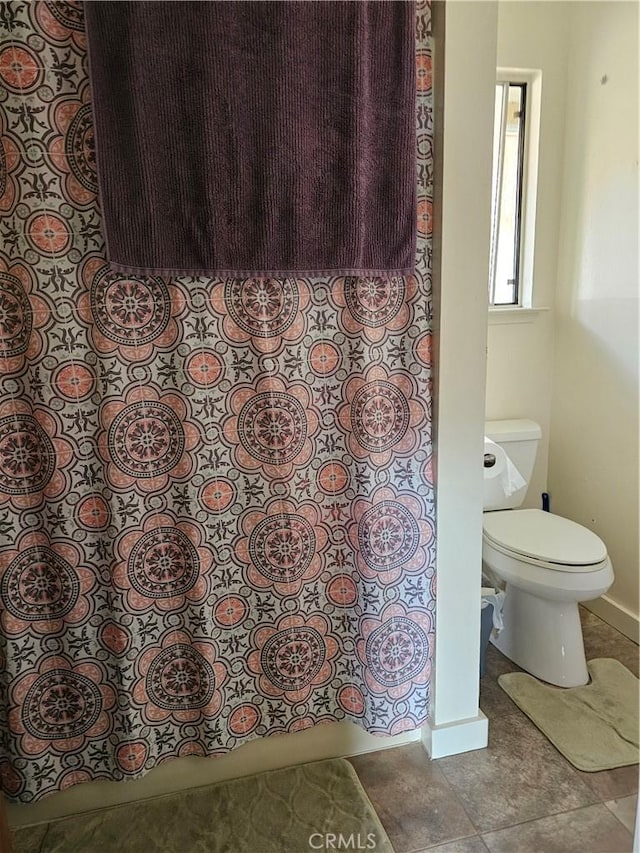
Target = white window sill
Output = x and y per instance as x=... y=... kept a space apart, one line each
x=514 y=314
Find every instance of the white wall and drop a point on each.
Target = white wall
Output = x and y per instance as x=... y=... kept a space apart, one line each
x=533 y=35
x=574 y=368
x=593 y=467
x=464 y=131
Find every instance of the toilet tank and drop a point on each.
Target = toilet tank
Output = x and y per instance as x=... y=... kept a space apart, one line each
x=519 y=439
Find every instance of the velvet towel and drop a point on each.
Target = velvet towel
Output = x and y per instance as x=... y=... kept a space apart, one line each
x=255 y=138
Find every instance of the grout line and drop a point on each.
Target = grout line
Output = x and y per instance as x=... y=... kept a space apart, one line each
x=444 y=842
x=545 y=817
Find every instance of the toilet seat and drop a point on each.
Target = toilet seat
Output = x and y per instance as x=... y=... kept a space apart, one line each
x=544 y=540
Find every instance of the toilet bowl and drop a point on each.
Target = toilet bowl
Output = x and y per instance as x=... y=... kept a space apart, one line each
x=547 y=564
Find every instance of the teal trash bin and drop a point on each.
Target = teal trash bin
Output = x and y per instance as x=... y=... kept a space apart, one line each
x=490 y=618
x=486 y=626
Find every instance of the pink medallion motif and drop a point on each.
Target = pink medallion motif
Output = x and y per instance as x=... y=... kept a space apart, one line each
x=43 y=586
x=390 y=535
x=130 y=311
x=396 y=650
x=148 y=439
x=381 y=415
x=374 y=301
x=73 y=150
x=264 y=311
x=182 y=679
x=163 y=565
x=40 y=589
x=129 y=315
x=61 y=706
x=23 y=315
x=231 y=610
x=352 y=700
x=27 y=456
x=74 y=381
x=374 y=306
x=16 y=317
x=272 y=426
x=423 y=70
x=262 y=307
x=32 y=455
x=283 y=547
x=293 y=657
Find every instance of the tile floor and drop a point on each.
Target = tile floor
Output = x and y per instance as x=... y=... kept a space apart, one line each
x=520 y=795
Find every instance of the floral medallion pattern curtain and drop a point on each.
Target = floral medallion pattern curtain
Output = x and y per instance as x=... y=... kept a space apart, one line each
x=216 y=499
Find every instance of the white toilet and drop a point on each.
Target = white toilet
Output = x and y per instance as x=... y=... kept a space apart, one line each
x=547 y=563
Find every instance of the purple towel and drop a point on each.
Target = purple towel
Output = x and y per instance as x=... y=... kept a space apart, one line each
x=255 y=138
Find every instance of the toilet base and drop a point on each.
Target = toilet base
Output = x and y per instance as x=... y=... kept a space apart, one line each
x=543 y=637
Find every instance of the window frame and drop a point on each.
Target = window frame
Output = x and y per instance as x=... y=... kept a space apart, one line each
x=529 y=154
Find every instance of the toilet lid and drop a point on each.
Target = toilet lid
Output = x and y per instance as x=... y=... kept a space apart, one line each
x=544 y=536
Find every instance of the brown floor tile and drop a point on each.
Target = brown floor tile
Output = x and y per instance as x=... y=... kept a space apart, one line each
x=592 y=829
x=412 y=798
x=519 y=777
x=474 y=844
x=625 y=810
x=494 y=702
x=612 y=784
x=497 y=664
x=603 y=641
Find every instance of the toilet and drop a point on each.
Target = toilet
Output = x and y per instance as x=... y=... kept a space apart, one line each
x=546 y=563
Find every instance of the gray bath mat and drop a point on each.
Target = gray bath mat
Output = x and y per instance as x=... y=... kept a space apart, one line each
x=596 y=726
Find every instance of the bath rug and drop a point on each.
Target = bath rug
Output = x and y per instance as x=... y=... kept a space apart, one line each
x=295 y=810
x=595 y=726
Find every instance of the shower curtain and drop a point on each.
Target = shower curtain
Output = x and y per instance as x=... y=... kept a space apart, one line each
x=216 y=497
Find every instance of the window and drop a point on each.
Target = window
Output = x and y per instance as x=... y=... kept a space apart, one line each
x=507 y=204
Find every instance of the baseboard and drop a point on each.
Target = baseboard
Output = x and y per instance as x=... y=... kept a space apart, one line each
x=616 y=615
x=456 y=737
x=333 y=740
